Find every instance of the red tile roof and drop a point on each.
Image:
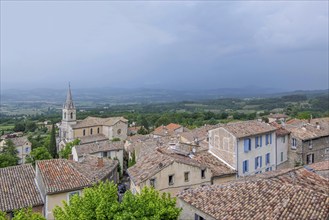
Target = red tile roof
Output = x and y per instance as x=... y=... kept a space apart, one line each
x=18 y=188
x=294 y=194
x=166 y=130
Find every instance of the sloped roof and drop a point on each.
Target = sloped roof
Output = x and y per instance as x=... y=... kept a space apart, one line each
x=157 y=159
x=305 y=130
x=277 y=116
x=102 y=146
x=18 y=188
x=248 y=128
x=198 y=133
x=95 y=121
x=278 y=196
x=61 y=175
x=19 y=141
x=92 y=138
x=167 y=130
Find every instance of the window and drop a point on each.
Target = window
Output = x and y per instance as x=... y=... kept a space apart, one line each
x=71 y=115
x=71 y=194
x=64 y=115
x=267 y=159
x=268 y=139
x=258 y=162
x=104 y=154
x=84 y=132
x=198 y=217
x=260 y=141
x=27 y=150
x=97 y=130
x=119 y=131
x=186 y=176
x=152 y=182
x=245 y=166
x=171 y=180
x=294 y=143
x=283 y=139
x=281 y=156
x=247 y=145
x=203 y=174
x=326 y=151
x=91 y=131
x=257 y=142
x=310 y=144
x=310 y=158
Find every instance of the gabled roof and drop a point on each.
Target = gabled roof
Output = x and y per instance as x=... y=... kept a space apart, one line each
x=61 y=175
x=19 y=141
x=198 y=133
x=248 y=128
x=278 y=197
x=18 y=188
x=307 y=130
x=92 y=139
x=95 y=121
x=102 y=146
x=158 y=159
x=167 y=130
x=278 y=116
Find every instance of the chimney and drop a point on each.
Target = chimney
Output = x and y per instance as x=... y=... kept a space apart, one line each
x=70 y=157
x=317 y=125
x=100 y=162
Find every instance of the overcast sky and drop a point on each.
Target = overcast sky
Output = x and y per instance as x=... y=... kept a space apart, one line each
x=164 y=44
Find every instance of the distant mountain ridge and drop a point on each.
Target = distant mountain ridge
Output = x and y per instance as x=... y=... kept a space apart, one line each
x=141 y=95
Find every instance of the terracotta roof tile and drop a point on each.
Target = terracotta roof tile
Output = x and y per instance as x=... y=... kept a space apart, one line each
x=59 y=176
x=95 y=121
x=260 y=199
x=248 y=128
x=18 y=188
x=168 y=130
x=93 y=138
x=99 y=147
x=305 y=130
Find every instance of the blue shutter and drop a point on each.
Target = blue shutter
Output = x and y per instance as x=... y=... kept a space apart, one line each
x=260 y=165
x=266 y=139
x=246 y=145
x=247 y=162
x=249 y=143
x=256 y=142
x=270 y=138
x=256 y=162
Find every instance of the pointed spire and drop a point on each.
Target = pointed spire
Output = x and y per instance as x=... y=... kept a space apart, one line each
x=69 y=101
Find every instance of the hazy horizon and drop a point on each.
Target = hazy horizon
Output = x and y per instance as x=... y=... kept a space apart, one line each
x=167 y=45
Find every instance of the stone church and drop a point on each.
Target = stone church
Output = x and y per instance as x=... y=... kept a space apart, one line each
x=91 y=129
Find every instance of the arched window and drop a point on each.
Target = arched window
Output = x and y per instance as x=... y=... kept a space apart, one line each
x=97 y=130
x=84 y=132
x=65 y=115
x=91 y=131
x=119 y=131
x=71 y=115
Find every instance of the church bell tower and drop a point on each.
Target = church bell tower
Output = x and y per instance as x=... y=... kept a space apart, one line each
x=68 y=117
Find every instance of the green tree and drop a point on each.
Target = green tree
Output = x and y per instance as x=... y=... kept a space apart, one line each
x=27 y=214
x=67 y=150
x=142 y=131
x=30 y=126
x=149 y=204
x=8 y=156
x=52 y=145
x=101 y=202
x=40 y=153
x=132 y=161
x=19 y=126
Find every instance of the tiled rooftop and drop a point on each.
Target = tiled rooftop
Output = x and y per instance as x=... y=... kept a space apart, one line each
x=167 y=130
x=277 y=116
x=294 y=194
x=157 y=158
x=198 y=133
x=93 y=138
x=95 y=121
x=19 y=141
x=99 y=147
x=18 y=188
x=88 y=167
x=320 y=166
x=306 y=130
x=60 y=175
x=248 y=128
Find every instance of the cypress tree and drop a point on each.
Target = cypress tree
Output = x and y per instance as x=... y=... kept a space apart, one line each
x=52 y=145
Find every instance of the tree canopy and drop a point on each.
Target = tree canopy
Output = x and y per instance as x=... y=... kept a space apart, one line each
x=8 y=155
x=101 y=202
x=40 y=153
x=23 y=214
x=67 y=150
